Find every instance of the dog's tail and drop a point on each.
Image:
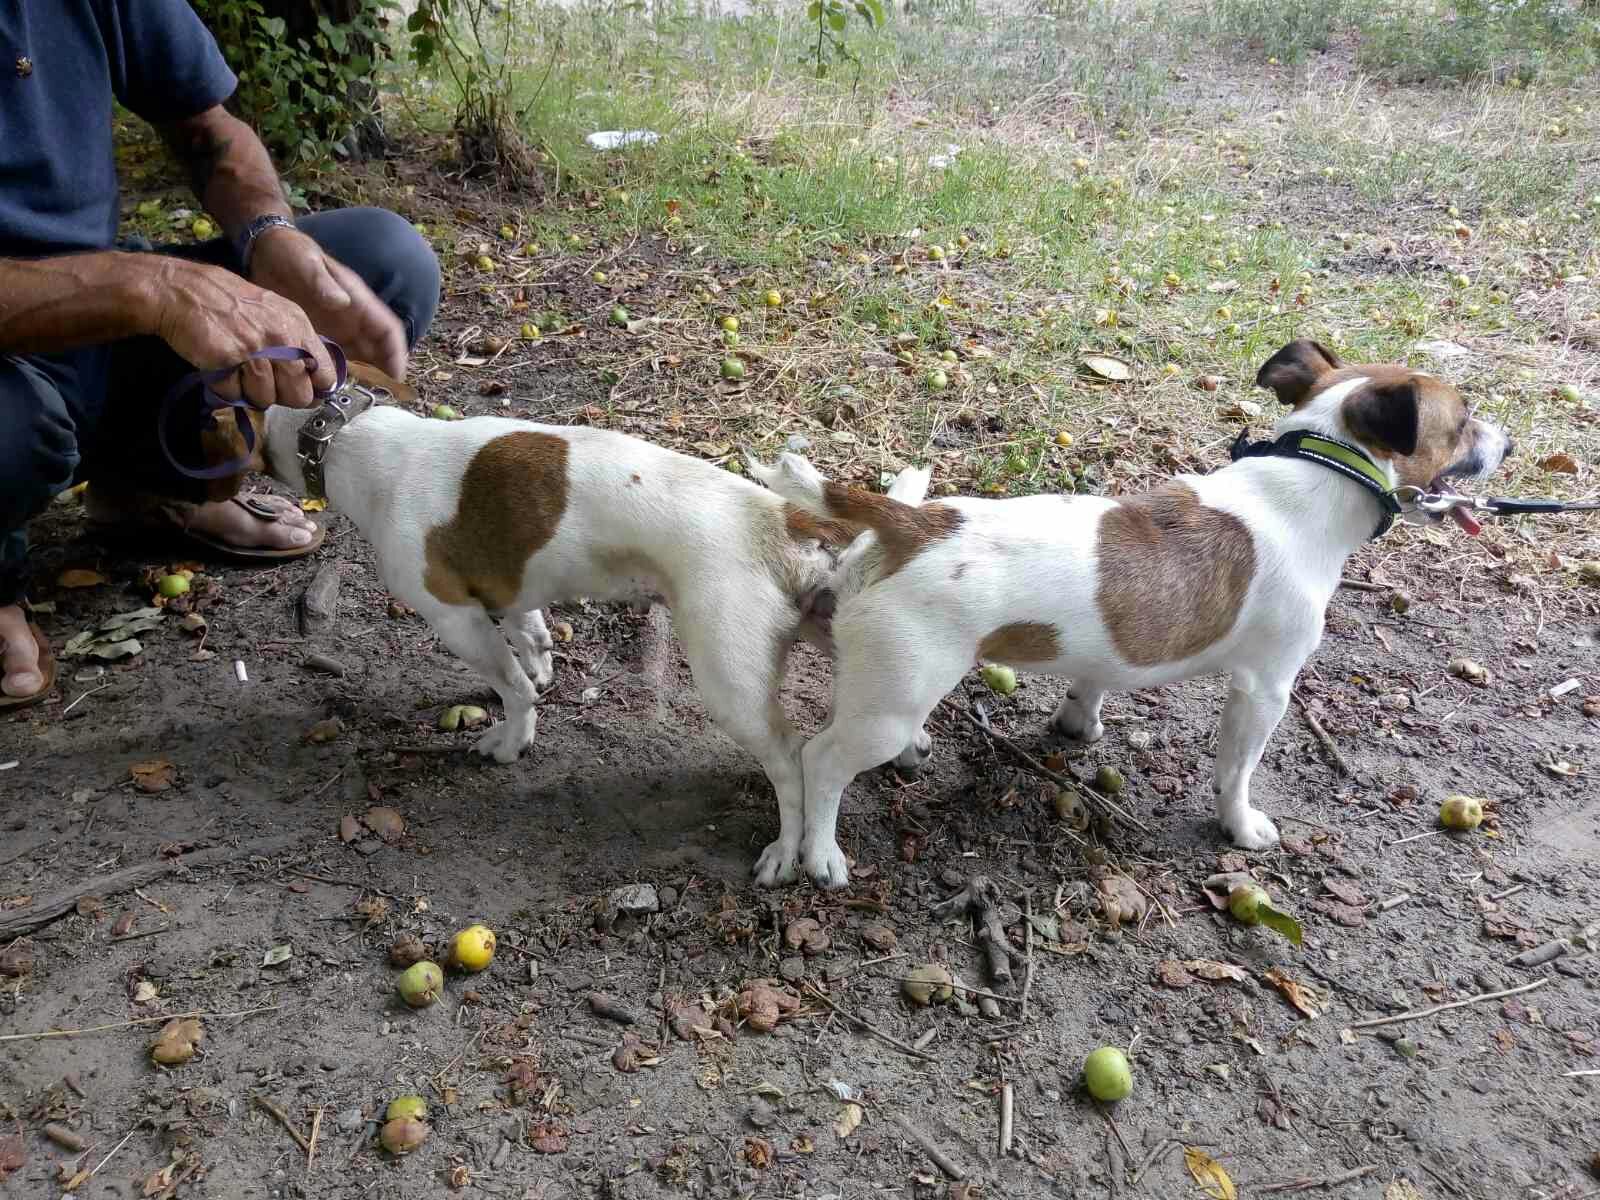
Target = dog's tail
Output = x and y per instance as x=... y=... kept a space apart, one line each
x=903 y=524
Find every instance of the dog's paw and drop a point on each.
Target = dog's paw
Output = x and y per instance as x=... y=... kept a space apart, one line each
x=504 y=742
x=914 y=757
x=1252 y=829
x=541 y=669
x=827 y=866
x=1072 y=724
x=778 y=865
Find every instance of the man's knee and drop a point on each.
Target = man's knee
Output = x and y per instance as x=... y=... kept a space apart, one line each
x=38 y=442
x=385 y=249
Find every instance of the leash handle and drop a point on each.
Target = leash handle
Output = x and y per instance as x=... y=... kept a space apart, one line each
x=211 y=403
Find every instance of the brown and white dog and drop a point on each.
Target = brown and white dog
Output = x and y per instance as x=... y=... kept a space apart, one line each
x=1230 y=571
x=478 y=524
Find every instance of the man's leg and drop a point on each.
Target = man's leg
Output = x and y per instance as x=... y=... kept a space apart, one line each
x=38 y=457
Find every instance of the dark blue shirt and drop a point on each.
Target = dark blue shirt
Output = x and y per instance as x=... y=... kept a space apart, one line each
x=61 y=64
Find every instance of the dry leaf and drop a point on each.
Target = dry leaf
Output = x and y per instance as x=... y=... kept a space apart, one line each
x=1208 y=1173
x=310 y=505
x=1120 y=899
x=1559 y=464
x=325 y=731
x=633 y=1054
x=806 y=935
x=349 y=828
x=849 y=1120
x=1215 y=971
x=16 y=960
x=1170 y=973
x=549 y=1138
x=144 y=992
x=1402 y=1189
x=176 y=1042
x=12 y=1155
x=758 y=1152
x=1301 y=995
x=1107 y=367
x=77 y=577
x=386 y=822
x=161 y=1180
x=153 y=776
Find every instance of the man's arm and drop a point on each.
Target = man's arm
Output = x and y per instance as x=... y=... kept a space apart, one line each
x=229 y=169
x=49 y=304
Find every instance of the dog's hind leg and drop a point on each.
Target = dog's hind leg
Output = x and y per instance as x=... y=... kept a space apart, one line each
x=1254 y=708
x=738 y=670
x=1078 y=714
x=474 y=638
x=531 y=639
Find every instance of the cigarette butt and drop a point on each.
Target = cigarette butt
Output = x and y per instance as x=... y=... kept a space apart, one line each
x=239 y=672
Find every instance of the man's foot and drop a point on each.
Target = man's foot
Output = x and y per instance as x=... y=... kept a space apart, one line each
x=23 y=679
x=254 y=526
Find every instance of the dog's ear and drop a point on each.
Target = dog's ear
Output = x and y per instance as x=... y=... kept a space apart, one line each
x=372 y=377
x=1294 y=370
x=1385 y=416
x=224 y=443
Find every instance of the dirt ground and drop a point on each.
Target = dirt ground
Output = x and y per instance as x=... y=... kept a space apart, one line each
x=634 y=787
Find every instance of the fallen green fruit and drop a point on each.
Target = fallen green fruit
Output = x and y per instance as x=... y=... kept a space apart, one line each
x=619 y=315
x=928 y=984
x=1245 y=903
x=1108 y=780
x=403 y=1135
x=407 y=1106
x=172 y=586
x=421 y=984
x=1001 y=679
x=450 y=718
x=1107 y=1075
x=732 y=368
x=443 y=412
x=1461 y=812
x=937 y=381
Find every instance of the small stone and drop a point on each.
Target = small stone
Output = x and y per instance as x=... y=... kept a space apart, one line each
x=761 y=1114
x=792 y=969
x=1406 y=1048
x=351 y=1120
x=636 y=900
x=1139 y=739
x=669 y=898
x=879 y=937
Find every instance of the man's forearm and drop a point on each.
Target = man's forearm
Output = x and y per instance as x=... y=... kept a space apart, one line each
x=229 y=169
x=74 y=300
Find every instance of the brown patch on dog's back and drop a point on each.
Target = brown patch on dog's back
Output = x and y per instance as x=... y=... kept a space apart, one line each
x=903 y=531
x=1173 y=574
x=1021 y=642
x=513 y=495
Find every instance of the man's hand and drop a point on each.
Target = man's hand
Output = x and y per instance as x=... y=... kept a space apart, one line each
x=212 y=318
x=335 y=298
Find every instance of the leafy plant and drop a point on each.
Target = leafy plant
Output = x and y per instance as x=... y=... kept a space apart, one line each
x=304 y=92
x=831 y=18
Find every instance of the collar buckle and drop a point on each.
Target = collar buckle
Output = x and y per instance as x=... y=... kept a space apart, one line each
x=337 y=410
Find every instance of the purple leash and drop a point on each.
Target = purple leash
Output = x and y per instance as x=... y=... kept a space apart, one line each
x=211 y=403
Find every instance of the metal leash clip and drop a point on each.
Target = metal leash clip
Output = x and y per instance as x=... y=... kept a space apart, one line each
x=1438 y=503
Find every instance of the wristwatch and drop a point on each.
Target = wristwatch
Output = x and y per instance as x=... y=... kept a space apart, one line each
x=247 y=239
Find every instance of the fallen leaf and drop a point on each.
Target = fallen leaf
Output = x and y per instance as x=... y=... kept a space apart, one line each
x=313 y=505
x=1208 y=1173
x=633 y=1054
x=77 y=577
x=16 y=960
x=1559 y=464
x=278 y=954
x=177 y=1041
x=1107 y=367
x=807 y=935
x=1346 y=892
x=1402 y=1189
x=144 y=992
x=1170 y=973
x=758 y=1152
x=1120 y=899
x=325 y=731
x=386 y=822
x=1301 y=995
x=1215 y=971
x=849 y=1120
x=349 y=828
x=879 y=937
x=12 y=1155
x=160 y=1181
x=549 y=1138
x=90 y=906
x=153 y=776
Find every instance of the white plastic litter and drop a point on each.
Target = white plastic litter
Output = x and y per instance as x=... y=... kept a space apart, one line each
x=940 y=161
x=618 y=139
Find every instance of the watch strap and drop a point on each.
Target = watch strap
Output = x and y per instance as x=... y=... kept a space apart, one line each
x=247 y=240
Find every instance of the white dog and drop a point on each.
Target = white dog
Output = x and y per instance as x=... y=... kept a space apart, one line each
x=1230 y=571
x=478 y=524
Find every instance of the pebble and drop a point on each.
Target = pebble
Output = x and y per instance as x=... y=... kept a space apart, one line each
x=793 y=969
x=636 y=899
x=669 y=898
x=350 y=1120
x=1139 y=739
x=761 y=1114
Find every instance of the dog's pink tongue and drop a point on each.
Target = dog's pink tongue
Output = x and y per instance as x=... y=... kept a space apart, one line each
x=1466 y=520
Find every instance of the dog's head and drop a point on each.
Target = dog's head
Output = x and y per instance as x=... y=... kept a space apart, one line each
x=276 y=439
x=1416 y=425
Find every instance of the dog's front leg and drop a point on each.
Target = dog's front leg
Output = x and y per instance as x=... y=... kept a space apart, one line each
x=1254 y=708
x=533 y=642
x=468 y=631
x=1078 y=714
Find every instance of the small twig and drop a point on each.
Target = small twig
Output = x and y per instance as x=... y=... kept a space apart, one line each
x=923 y=1038
x=1162 y=1148
x=589 y=1039
x=316 y=1129
x=811 y=989
x=1416 y=1013
x=935 y=1155
x=85 y=696
x=1393 y=902
x=134 y=937
x=1509 y=892
x=1361 y=585
x=1307 y=1183
x=1322 y=736
x=114 y=1151
x=283 y=1119
x=1578 y=1074
x=1127 y=1155
x=55 y=1033
x=1109 y=808
x=1006 y=1114
x=1428 y=833
x=337 y=775
x=1027 y=939
x=1539 y=955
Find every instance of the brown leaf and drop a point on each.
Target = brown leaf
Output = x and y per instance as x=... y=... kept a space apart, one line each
x=1344 y=891
x=155 y=775
x=1559 y=464
x=177 y=1041
x=374 y=908
x=16 y=960
x=1301 y=995
x=325 y=731
x=123 y=926
x=13 y=1157
x=758 y=1152
x=1219 y=887
x=1217 y=972
x=349 y=828
x=90 y=906
x=1107 y=367
x=1170 y=973
x=160 y=1181
x=386 y=822
x=879 y=937
x=1208 y=1173
x=549 y=1138
x=807 y=935
x=1120 y=899
x=77 y=577
x=633 y=1054
x=849 y=1120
